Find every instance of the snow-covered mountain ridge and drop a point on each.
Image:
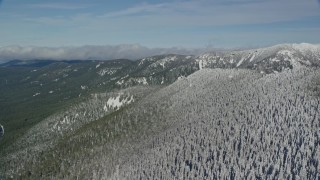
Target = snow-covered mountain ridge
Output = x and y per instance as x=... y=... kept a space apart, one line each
x=265 y=60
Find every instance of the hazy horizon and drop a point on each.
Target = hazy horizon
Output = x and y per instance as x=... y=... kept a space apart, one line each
x=165 y=24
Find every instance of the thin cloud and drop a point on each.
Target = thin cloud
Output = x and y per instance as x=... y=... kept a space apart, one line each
x=63 y=6
x=192 y=13
x=142 y=8
x=221 y=12
x=58 y=20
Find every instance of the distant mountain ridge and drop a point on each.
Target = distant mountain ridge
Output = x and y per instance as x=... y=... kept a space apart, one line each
x=267 y=60
x=38 y=63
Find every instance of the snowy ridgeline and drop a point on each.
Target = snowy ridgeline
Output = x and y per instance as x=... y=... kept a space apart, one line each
x=214 y=124
x=265 y=60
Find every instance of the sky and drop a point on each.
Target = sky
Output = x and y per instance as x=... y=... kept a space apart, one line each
x=158 y=24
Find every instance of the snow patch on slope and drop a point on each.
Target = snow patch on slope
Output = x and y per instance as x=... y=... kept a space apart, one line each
x=105 y=71
x=240 y=62
x=142 y=80
x=36 y=94
x=84 y=87
x=200 y=64
x=120 y=82
x=117 y=102
x=289 y=57
x=164 y=61
x=252 y=57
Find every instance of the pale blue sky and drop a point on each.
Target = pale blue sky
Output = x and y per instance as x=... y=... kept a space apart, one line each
x=175 y=23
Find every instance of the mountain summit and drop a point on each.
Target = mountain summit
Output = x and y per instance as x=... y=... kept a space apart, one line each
x=266 y=60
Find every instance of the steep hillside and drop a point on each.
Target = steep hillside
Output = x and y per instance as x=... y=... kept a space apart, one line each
x=30 y=91
x=213 y=124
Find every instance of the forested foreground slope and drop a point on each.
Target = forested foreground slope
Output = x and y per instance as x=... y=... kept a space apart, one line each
x=213 y=124
x=235 y=124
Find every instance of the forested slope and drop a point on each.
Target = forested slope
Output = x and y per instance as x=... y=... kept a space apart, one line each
x=255 y=114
